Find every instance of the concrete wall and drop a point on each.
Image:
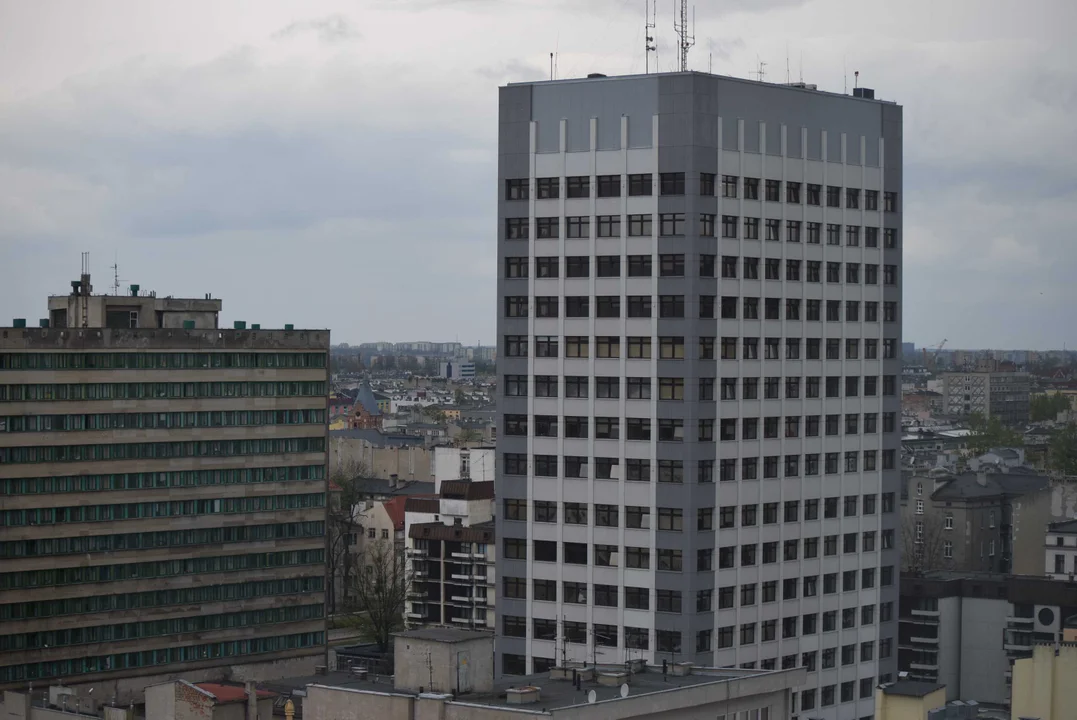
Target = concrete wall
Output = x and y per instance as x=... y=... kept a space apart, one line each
x=904 y=707
x=949 y=655
x=983 y=661
x=1043 y=685
x=346 y=704
x=1031 y=515
x=444 y=667
x=408 y=463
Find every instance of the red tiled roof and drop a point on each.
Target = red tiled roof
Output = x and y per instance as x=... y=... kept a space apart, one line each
x=230 y=693
x=395 y=509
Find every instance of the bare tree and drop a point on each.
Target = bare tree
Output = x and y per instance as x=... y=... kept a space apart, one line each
x=379 y=593
x=344 y=527
x=467 y=437
x=923 y=544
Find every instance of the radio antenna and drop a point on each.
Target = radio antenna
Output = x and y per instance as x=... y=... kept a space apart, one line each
x=649 y=25
x=681 y=28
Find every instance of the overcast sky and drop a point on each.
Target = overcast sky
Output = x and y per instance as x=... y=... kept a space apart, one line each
x=332 y=164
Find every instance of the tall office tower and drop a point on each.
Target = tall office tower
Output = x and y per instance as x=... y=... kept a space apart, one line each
x=162 y=496
x=698 y=311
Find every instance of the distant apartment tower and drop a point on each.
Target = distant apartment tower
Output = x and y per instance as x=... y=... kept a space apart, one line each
x=1002 y=395
x=699 y=328
x=162 y=485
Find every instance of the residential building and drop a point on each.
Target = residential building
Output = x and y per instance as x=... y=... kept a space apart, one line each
x=451 y=551
x=1043 y=685
x=163 y=486
x=950 y=628
x=1002 y=395
x=454 y=463
x=677 y=437
x=1061 y=560
x=449 y=673
x=975 y=521
x=909 y=700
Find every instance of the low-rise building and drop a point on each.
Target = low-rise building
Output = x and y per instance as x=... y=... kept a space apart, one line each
x=1061 y=560
x=181 y=700
x=448 y=674
x=1044 y=685
x=965 y=630
x=908 y=700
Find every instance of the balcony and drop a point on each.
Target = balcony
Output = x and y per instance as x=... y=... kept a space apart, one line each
x=924 y=613
x=927 y=640
x=924 y=666
x=462 y=620
x=415 y=615
x=1015 y=620
x=461 y=555
x=415 y=594
x=417 y=552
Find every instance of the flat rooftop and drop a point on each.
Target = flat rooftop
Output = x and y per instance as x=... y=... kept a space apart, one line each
x=797 y=86
x=554 y=694
x=444 y=634
x=912 y=688
x=37 y=339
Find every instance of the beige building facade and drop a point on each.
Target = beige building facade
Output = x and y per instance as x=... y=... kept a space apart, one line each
x=1045 y=685
x=162 y=487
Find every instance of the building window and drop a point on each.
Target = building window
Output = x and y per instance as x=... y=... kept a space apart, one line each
x=706 y=185
x=609 y=226
x=516 y=189
x=547 y=228
x=773 y=190
x=578 y=186
x=640 y=184
x=668 y=224
x=729 y=226
x=578 y=227
x=609 y=185
x=890 y=201
x=640 y=225
x=751 y=228
x=671 y=183
x=751 y=188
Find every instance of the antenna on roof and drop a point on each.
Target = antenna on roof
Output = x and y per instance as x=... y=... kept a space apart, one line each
x=551 y=66
x=687 y=41
x=761 y=72
x=649 y=25
x=116 y=275
x=787 y=78
x=856 y=80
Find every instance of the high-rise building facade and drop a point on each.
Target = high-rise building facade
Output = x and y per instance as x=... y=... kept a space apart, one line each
x=162 y=496
x=699 y=324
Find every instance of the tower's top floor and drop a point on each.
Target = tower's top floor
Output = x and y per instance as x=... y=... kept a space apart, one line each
x=138 y=309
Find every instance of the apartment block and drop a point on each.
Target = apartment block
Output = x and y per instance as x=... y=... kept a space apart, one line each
x=699 y=324
x=162 y=484
x=1002 y=395
x=452 y=555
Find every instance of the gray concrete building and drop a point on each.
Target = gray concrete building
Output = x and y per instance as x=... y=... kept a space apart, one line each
x=699 y=316
x=448 y=673
x=162 y=485
x=1002 y=395
x=965 y=630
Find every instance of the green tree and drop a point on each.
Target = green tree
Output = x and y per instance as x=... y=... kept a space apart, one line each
x=1047 y=406
x=1062 y=451
x=990 y=433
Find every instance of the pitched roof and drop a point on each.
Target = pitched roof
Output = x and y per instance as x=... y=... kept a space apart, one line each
x=483 y=533
x=394 y=508
x=383 y=486
x=423 y=505
x=967 y=485
x=366 y=399
x=1065 y=526
x=230 y=693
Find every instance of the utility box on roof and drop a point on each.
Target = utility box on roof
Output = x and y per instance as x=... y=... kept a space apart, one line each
x=444 y=660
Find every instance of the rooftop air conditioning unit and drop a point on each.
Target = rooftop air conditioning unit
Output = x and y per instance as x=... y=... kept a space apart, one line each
x=1047 y=619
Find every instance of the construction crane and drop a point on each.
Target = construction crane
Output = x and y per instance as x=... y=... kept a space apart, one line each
x=930 y=361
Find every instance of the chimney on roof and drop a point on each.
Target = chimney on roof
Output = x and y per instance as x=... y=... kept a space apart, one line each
x=394 y=481
x=252 y=700
x=981 y=478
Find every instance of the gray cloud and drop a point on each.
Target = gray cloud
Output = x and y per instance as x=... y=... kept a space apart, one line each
x=351 y=184
x=330 y=29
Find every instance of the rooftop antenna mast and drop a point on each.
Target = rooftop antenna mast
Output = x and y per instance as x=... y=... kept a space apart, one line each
x=687 y=41
x=761 y=72
x=116 y=276
x=650 y=15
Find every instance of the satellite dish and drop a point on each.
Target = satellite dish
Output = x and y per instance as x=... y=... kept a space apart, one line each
x=591 y=696
x=624 y=690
